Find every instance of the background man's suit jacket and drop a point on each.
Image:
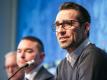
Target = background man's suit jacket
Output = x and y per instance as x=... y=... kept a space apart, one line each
x=43 y=74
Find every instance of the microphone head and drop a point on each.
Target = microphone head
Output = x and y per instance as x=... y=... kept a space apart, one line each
x=28 y=63
x=31 y=62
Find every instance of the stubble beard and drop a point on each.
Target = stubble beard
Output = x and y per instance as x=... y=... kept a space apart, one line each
x=70 y=46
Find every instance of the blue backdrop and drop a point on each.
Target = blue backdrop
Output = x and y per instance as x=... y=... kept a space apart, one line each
x=35 y=17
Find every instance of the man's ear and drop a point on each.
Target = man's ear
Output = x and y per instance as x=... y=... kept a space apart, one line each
x=86 y=27
x=42 y=55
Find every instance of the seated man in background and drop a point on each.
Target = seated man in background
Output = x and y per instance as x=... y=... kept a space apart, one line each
x=11 y=66
x=31 y=48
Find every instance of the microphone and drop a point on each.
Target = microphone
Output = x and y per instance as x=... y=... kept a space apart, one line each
x=29 y=63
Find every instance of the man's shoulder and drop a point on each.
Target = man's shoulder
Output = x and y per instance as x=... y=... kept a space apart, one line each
x=94 y=52
x=44 y=70
x=92 y=49
x=44 y=74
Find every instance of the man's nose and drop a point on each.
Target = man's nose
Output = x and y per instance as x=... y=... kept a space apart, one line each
x=61 y=30
x=23 y=54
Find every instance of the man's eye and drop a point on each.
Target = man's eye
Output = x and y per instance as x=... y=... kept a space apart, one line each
x=29 y=51
x=57 y=24
x=67 y=22
x=6 y=67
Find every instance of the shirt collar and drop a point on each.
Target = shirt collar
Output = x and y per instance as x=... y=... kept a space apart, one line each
x=32 y=74
x=72 y=57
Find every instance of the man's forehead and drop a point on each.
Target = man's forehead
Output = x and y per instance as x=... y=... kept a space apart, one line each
x=67 y=14
x=12 y=56
x=10 y=60
x=27 y=45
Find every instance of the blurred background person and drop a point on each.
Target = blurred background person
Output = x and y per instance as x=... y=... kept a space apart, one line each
x=11 y=66
x=31 y=48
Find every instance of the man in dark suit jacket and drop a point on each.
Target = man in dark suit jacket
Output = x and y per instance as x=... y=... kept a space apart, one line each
x=31 y=48
x=43 y=74
x=84 y=61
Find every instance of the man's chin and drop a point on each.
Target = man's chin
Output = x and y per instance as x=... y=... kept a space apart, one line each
x=66 y=46
x=63 y=46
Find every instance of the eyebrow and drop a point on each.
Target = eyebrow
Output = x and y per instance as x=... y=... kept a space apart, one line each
x=26 y=49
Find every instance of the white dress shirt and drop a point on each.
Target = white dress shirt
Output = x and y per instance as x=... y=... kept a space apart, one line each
x=32 y=74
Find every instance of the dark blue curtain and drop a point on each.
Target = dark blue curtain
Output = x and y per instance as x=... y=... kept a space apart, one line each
x=35 y=17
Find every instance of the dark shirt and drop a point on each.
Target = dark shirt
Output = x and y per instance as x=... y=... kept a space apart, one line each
x=73 y=56
x=91 y=64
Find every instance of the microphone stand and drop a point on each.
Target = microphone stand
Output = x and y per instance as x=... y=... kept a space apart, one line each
x=26 y=65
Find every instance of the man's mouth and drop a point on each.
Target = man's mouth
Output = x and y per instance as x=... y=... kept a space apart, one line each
x=63 y=39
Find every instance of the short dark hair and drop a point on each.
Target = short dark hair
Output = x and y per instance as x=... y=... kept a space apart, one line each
x=35 y=39
x=84 y=15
